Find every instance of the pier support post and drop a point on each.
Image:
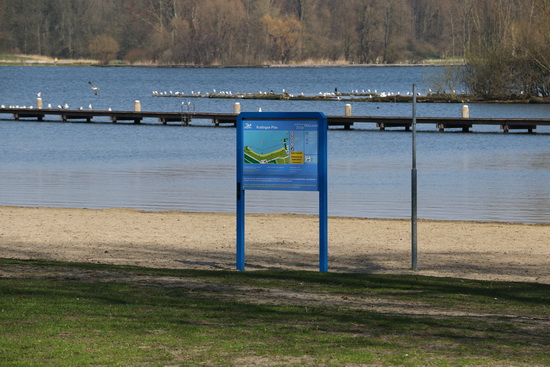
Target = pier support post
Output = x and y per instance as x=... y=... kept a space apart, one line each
x=348 y=113
x=348 y=109
x=39 y=103
x=465 y=112
x=237 y=108
x=137 y=106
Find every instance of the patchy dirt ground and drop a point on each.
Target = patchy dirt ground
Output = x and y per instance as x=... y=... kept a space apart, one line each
x=268 y=295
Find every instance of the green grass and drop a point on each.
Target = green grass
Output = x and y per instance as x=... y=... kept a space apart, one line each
x=14 y=58
x=67 y=314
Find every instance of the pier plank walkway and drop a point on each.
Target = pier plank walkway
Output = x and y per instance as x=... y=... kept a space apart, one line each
x=218 y=119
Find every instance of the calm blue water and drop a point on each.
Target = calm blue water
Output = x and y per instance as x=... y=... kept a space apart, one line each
x=486 y=176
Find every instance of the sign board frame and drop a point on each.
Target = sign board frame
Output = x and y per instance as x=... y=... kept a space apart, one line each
x=284 y=151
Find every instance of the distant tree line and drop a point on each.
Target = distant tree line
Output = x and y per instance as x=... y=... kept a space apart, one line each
x=244 y=32
x=505 y=43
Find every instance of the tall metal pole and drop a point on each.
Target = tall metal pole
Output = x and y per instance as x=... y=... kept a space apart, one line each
x=414 y=217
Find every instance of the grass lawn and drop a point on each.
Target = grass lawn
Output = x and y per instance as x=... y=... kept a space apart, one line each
x=67 y=314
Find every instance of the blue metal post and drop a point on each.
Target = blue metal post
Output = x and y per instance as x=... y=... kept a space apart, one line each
x=323 y=197
x=240 y=227
x=240 y=198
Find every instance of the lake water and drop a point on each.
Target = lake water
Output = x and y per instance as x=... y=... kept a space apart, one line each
x=486 y=176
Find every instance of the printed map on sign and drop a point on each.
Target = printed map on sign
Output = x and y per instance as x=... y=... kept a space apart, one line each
x=273 y=146
x=266 y=147
x=280 y=155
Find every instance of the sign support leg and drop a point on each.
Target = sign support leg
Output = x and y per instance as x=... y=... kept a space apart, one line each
x=323 y=231
x=240 y=227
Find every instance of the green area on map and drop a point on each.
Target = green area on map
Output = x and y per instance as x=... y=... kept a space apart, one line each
x=266 y=147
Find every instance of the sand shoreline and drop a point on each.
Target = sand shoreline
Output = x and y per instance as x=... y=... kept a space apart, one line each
x=174 y=239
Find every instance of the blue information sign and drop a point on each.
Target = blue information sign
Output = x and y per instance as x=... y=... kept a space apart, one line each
x=282 y=151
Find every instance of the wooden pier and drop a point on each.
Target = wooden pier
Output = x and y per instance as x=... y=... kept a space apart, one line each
x=217 y=119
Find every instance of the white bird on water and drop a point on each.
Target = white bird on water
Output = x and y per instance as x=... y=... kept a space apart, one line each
x=94 y=88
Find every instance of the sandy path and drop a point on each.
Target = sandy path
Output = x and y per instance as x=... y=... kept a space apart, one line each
x=490 y=251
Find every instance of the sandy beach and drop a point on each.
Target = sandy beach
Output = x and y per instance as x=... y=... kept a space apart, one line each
x=173 y=239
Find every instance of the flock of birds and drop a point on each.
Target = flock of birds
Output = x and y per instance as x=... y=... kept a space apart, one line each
x=156 y=93
x=214 y=93
x=49 y=107
x=65 y=106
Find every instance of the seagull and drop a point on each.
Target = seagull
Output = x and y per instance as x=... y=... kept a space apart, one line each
x=94 y=88
x=39 y=94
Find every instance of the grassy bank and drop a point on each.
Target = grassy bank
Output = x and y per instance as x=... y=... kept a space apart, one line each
x=82 y=314
x=40 y=60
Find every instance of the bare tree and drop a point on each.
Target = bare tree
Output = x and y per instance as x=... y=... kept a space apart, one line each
x=284 y=34
x=104 y=48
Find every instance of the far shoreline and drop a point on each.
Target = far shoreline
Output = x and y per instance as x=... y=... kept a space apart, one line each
x=177 y=66
x=31 y=60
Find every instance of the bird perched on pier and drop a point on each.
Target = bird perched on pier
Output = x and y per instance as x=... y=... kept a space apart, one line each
x=39 y=94
x=94 y=88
